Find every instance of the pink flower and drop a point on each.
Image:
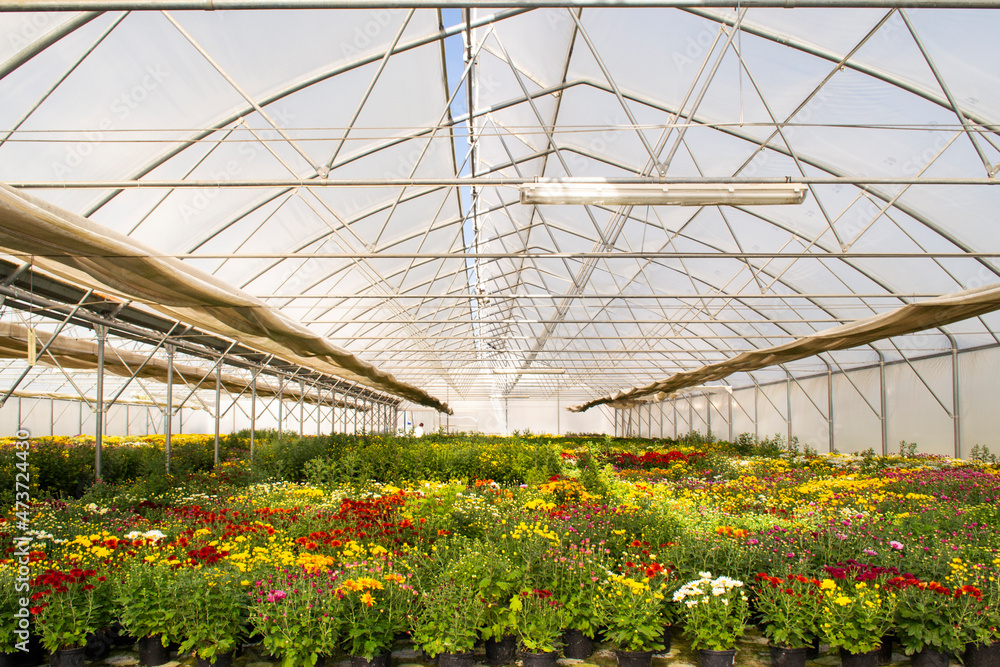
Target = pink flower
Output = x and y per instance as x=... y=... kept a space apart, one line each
x=898 y=546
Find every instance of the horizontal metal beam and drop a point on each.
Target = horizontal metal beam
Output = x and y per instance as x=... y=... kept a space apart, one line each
x=479 y=181
x=135 y=5
x=611 y=254
x=487 y=321
x=500 y=297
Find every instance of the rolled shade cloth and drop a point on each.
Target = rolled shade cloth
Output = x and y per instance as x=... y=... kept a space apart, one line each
x=86 y=253
x=913 y=317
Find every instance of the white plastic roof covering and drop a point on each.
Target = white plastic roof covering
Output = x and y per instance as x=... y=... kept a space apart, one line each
x=380 y=94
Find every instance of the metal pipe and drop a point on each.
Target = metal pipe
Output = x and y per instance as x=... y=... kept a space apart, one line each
x=610 y=254
x=218 y=411
x=679 y=295
x=788 y=405
x=168 y=413
x=956 y=397
x=829 y=404
x=281 y=405
x=479 y=181
x=253 y=415
x=883 y=401
x=102 y=334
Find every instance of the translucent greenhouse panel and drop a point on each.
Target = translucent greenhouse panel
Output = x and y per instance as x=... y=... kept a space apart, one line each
x=914 y=414
x=719 y=415
x=771 y=410
x=743 y=411
x=115 y=420
x=809 y=406
x=856 y=425
x=978 y=372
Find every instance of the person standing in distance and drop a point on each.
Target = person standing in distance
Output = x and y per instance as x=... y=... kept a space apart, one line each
x=419 y=431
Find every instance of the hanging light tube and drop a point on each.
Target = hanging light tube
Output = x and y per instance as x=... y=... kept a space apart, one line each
x=657 y=194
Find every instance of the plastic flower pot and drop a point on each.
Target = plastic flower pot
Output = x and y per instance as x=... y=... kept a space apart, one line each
x=455 y=659
x=152 y=652
x=548 y=659
x=812 y=652
x=788 y=657
x=501 y=652
x=931 y=658
x=982 y=655
x=68 y=657
x=577 y=645
x=221 y=660
x=8 y=659
x=710 y=658
x=848 y=659
x=634 y=658
x=378 y=661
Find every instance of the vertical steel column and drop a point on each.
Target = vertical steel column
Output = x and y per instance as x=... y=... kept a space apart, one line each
x=731 y=432
x=690 y=414
x=883 y=403
x=788 y=405
x=829 y=403
x=253 y=414
x=281 y=405
x=674 y=401
x=52 y=417
x=302 y=408
x=218 y=410
x=102 y=335
x=319 y=411
x=708 y=415
x=956 y=398
x=614 y=414
x=79 y=418
x=169 y=412
x=126 y=419
x=756 y=414
x=558 y=414
x=333 y=411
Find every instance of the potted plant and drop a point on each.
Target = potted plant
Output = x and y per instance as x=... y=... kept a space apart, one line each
x=714 y=612
x=212 y=613
x=631 y=612
x=448 y=621
x=856 y=615
x=789 y=608
x=68 y=608
x=298 y=614
x=931 y=618
x=538 y=620
x=147 y=608
x=575 y=574
x=376 y=604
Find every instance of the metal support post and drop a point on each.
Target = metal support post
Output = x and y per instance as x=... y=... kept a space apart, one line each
x=829 y=403
x=168 y=413
x=281 y=404
x=102 y=336
x=302 y=408
x=218 y=410
x=674 y=401
x=253 y=414
x=883 y=403
x=319 y=411
x=956 y=398
x=788 y=406
x=731 y=431
x=708 y=411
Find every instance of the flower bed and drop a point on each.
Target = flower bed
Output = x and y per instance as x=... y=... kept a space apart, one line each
x=597 y=537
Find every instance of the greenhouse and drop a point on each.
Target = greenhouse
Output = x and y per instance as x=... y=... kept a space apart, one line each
x=461 y=332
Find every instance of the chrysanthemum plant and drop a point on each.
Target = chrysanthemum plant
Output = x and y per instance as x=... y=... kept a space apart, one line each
x=714 y=611
x=631 y=609
x=790 y=609
x=449 y=618
x=145 y=601
x=376 y=603
x=538 y=620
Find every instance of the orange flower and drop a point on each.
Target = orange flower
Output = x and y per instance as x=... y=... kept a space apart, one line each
x=368 y=599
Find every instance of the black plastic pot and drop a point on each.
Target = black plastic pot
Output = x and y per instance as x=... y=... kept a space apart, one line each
x=529 y=659
x=788 y=657
x=982 y=655
x=710 y=658
x=502 y=652
x=931 y=658
x=152 y=652
x=869 y=659
x=68 y=657
x=221 y=660
x=377 y=661
x=455 y=659
x=667 y=638
x=576 y=645
x=634 y=658
x=885 y=650
x=812 y=652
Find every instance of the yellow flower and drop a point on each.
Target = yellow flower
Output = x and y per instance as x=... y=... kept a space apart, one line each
x=843 y=601
x=828 y=585
x=368 y=599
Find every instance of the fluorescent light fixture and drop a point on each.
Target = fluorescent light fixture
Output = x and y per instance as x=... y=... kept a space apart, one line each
x=652 y=194
x=529 y=371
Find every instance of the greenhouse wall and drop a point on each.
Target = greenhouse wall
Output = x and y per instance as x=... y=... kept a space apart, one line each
x=917 y=406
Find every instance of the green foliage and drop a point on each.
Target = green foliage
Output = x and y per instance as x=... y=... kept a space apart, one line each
x=214 y=615
x=449 y=617
x=715 y=611
x=538 y=620
x=145 y=598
